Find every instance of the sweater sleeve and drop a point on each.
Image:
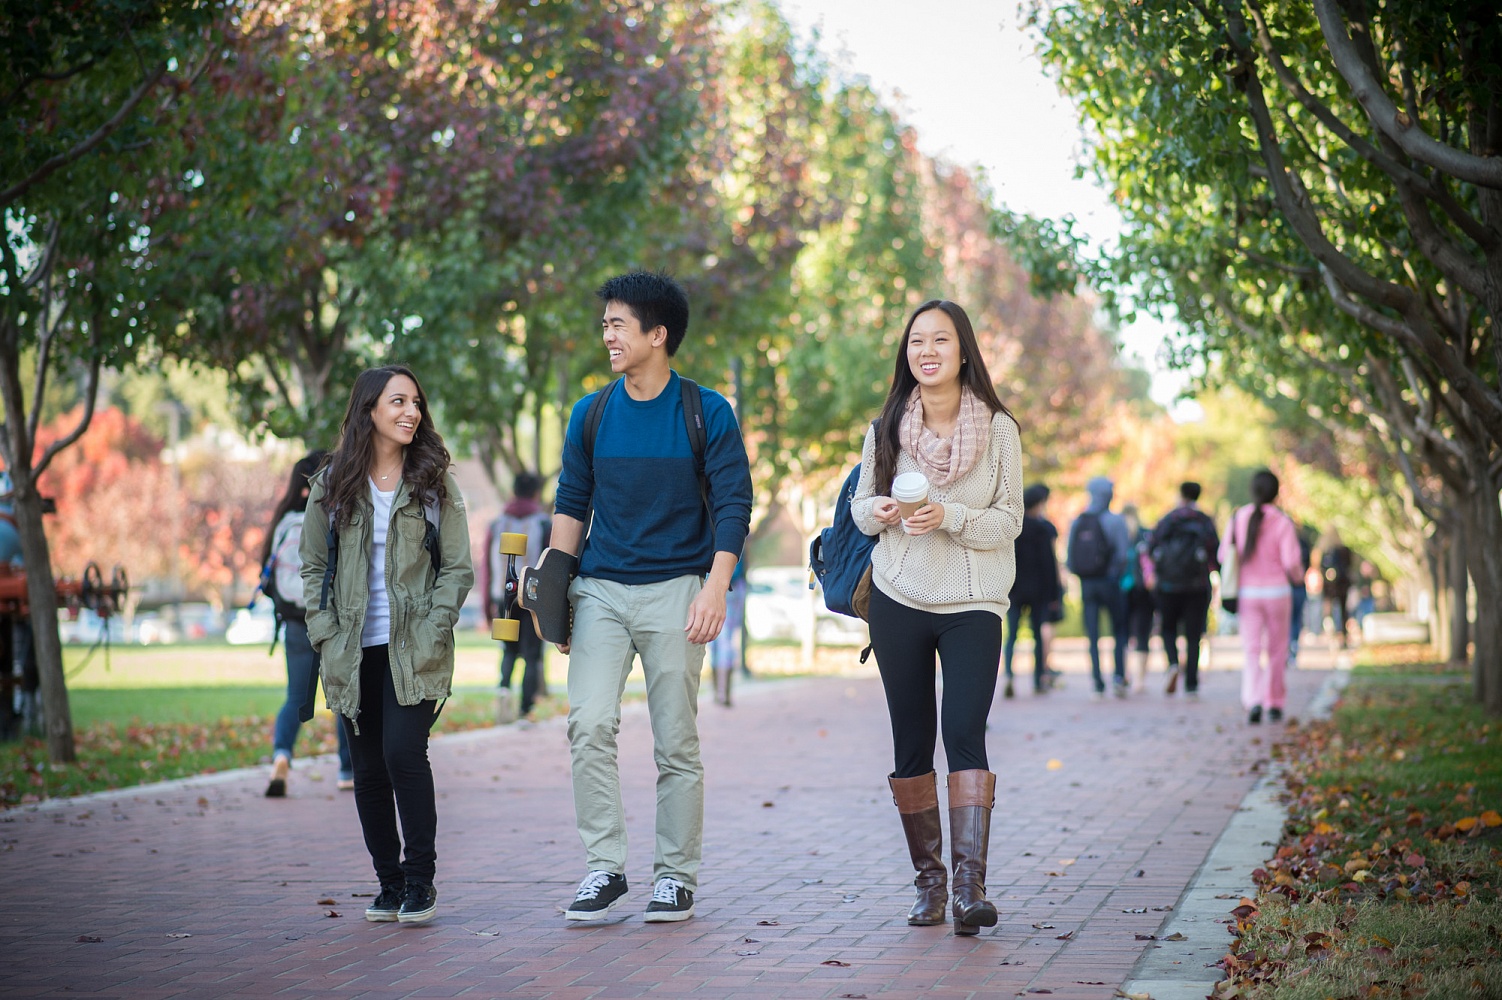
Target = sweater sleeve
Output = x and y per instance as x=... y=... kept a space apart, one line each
x=729 y=473
x=865 y=488
x=456 y=573
x=999 y=523
x=576 y=480
x=313 y=550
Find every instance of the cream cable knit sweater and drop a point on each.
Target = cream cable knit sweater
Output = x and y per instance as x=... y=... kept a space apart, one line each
x=969 y=562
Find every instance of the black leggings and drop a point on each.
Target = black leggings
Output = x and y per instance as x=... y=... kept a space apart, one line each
x=393 y=775
x=968 y=643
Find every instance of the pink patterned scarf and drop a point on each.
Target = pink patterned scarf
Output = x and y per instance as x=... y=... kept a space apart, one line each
x=946 y=459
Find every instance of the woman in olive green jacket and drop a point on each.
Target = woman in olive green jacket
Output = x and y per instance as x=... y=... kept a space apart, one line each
x=386 y=565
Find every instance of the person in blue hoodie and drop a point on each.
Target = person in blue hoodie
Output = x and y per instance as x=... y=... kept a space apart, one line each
x=1098 y=550
x=653 y=576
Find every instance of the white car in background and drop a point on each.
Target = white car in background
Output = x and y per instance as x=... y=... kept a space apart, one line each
x=777 y=608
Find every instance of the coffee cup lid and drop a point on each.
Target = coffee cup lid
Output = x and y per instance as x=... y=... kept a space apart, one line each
x=910 y=486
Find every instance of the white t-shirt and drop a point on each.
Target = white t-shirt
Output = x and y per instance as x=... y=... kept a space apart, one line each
x=377 y=630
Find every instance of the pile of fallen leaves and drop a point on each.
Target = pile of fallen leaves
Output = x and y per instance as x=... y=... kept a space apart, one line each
x=1388 y=872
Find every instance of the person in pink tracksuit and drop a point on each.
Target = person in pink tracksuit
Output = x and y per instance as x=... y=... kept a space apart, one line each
x=1267 y=549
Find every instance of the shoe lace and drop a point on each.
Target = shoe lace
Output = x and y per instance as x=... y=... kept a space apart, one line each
x=592 y=884
x=666 y=890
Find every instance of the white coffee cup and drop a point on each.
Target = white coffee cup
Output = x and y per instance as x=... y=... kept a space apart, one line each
x=910 y=490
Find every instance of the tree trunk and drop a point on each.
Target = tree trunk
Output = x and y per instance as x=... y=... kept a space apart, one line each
x=41 y=592
x=1483 y=546
x=1437 y=554
x=1459 y=595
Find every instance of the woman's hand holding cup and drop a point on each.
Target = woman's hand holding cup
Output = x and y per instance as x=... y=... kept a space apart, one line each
x=924 y=519
x=910 y=491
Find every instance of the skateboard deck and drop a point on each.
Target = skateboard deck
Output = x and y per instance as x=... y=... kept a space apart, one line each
x=544 y=594
x=508 y=627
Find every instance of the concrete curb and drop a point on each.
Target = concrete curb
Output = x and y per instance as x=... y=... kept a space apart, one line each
x=1186 y=969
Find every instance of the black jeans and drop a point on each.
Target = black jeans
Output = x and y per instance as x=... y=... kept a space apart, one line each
x=906 y=642
x=393 y=775
x=527 y=648
x=1037 y=616
x=1189 y=609
x=1105 y=593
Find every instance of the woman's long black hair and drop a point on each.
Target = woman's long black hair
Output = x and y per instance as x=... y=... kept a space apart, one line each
x=1264 y=491
x=296 y=497
x=973 y=376
x=424 y=461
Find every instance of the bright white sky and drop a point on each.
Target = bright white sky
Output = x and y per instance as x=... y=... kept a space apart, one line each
x=964 y=74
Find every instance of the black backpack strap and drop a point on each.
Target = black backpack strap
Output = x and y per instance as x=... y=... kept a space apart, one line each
x=592 y=418
x=332 y=541
x=698 y=434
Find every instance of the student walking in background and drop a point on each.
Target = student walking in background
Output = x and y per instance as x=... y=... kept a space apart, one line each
x=1037 y=587
x=1097 y=553
x=940 y=579
x=1185 y=550
x=1267 y=553
x=1138 y=583
x=281 y=574
x=386 y=567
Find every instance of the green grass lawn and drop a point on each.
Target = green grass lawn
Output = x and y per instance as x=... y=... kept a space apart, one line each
x=1388 y=880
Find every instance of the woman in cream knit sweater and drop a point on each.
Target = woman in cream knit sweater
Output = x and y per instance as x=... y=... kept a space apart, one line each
x=940 y=581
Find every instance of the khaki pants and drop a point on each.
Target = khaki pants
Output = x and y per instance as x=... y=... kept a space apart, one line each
x=614 y=622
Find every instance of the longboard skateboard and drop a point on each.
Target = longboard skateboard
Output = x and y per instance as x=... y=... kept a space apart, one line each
x=544 y=593
x=507 y=628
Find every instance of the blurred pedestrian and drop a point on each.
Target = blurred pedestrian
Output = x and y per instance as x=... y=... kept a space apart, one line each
x=727 y=649
x=940 y=580
x=1097 y=553
x=1335 y=564
x=1137 y=584
x=281 y=580
x=522 y=515
x=1300 y=594
x=1267 y=552
x=385 y=547
x=1185 y=550
x=1037 y=587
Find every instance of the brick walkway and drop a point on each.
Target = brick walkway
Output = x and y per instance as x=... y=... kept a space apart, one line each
x=205 y=889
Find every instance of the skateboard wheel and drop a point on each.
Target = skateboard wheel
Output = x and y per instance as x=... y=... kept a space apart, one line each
x=506 y=629
x=513 y=543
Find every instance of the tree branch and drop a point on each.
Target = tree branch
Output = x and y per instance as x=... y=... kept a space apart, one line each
x=100 y=134
x=91 y=392
x=1484 y=171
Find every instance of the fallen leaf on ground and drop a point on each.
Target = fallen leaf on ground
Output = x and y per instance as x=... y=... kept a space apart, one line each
x=1043 y=927
x=1054 y=764
x=1135 y=909
x=1067 y=935
x=86 y=939
x=327 y=902
x=1132 y=996
x=332 y=913
x=179 y=935
x=766 y=923
x=835 y=962
x=1176 y=936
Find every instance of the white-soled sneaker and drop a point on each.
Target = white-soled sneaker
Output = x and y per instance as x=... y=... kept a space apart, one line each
x=670 y=902
x=598 y=894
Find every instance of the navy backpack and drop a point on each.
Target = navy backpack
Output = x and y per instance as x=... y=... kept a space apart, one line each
x=840 y=557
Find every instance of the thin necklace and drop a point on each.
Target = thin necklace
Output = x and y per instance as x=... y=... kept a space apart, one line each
x=392 y=472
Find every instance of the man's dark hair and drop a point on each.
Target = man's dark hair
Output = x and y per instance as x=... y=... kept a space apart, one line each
x=526 y=485
x=654 y=299
x=1189 y=491
x=1034 y=495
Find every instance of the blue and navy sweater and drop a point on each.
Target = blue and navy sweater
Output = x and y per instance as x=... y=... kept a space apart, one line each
x=650 y=523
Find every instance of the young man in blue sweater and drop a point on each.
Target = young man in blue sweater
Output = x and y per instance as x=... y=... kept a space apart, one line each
x=652 y=581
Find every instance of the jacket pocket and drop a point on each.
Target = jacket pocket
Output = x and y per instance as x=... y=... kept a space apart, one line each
x=321 y=627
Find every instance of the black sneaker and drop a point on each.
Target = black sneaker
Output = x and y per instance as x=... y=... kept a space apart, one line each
x=419 y=903
x=598 y=894
x=670 y=901
x=1255 y=715
x=1274 y=715
x=384 y=908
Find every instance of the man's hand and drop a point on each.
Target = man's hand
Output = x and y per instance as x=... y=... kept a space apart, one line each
x=562 y=647
x=706 y=614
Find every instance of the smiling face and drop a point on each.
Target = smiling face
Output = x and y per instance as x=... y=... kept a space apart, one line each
x=630 y=347
x=933 y=349
x=395 y=415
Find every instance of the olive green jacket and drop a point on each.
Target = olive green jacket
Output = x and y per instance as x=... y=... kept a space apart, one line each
x=423 y=610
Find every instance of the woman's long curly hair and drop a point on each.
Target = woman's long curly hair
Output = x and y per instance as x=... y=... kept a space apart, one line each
x=973 y=376
x=347 y=472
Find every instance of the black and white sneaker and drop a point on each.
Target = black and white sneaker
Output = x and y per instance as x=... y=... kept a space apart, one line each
x=598 y=894
x=419 y=903
x=670 y=901
x=385 y=907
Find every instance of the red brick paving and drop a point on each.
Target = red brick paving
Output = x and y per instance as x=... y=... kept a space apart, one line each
x=209 y=890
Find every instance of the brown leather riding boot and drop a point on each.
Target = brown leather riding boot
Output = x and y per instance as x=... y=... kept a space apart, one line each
x=917 y=802
x=971 y=796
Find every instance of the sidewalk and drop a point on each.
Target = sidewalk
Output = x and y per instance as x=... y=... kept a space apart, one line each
x=206 y=889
